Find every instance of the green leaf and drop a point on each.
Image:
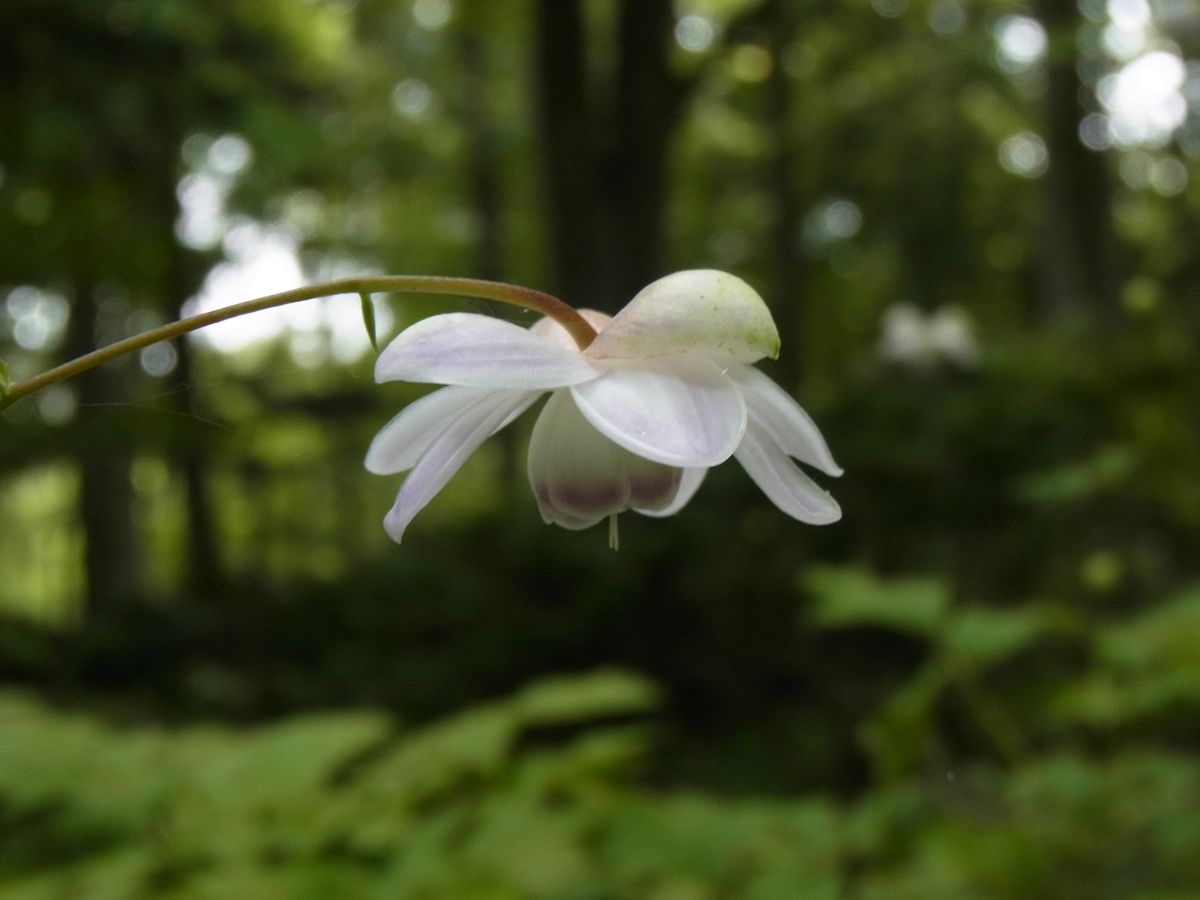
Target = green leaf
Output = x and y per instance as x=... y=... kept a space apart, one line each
x=5 y=379
x=1078 y=480
x=567 y=699
x=984 y=636
x=1158 y=641
x=845 y=597
x=368 y=314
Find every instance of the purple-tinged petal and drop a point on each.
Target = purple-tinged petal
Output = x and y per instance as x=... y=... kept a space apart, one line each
x=698 y=311
x=783 y=482
x=479 y=351
x=402 y=441
x=579 y=477
x=773 y=411
x=683 y=412
x=446 y=453
x=689 y=483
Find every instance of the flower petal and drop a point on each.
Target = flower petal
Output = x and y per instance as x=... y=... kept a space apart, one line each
x=446 y=453
x=548 y=328
x=783 y=482
x=683 y=412
x=474 y=350
x=698 y=311
x=689 y=483
x=580 y=477
x=402 y=441
x=772 y=410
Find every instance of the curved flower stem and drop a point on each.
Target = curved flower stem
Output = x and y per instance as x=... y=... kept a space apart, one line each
x=547 y=305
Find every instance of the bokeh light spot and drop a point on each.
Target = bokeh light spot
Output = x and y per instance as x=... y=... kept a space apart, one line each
x=412 y=98
x=158 y=359
x=889 y=8
x=694 y=33
x=1024 y=154
x=947 y=17
x=230 y=154
x=1020 y=43
x=432 y=14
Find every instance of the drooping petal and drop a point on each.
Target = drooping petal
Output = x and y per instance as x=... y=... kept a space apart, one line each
x=689 y=483
x=474 y=350
x=550 y=329
x=772 y=410
x=446 y=453
x=783 y=482
x=683 y=412
x=579 y=477
x=698 y=311
x=400 y=443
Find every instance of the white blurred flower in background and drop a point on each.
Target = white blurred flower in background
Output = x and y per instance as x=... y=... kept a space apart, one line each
x=914 y=339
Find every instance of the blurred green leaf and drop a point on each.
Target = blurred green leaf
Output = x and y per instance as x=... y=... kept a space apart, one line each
x=984 y=636
x=1161 y=639
x=851 y=596
x=605 y=693
x=1149 y=665
x=1108 y=466
x=754 y=849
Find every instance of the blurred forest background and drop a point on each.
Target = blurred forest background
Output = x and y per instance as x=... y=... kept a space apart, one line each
x=976 y=223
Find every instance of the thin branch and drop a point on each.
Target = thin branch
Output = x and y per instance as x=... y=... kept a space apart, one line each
x=547 y=305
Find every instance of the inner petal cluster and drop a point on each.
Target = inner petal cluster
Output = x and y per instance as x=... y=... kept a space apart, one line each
x=579 y=477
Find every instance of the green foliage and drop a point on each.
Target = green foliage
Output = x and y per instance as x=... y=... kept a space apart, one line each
x=1148 y=672
x=1063 y=826
x=972 y=664
x=851 y=596
x=539 y=795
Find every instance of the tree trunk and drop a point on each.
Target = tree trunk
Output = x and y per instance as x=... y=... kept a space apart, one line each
x=785 y=228
x=606 y=164
x=567 y=131
x=204 y=573
x=1079 y=277
x=646 y=104
x=483 y=164
x=112 y=556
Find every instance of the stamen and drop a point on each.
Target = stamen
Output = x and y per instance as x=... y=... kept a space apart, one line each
x=614 y=542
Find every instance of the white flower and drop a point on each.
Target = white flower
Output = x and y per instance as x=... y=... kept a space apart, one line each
x=664 y=392
x=919 y=341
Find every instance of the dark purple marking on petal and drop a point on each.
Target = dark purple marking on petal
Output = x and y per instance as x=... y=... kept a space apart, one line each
x=651 y=489
x=590 y=498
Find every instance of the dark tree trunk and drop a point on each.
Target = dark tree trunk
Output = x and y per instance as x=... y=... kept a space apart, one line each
x=788 y=307
x=1079 y=277
x=567 y=131
x=646 y=103
x=483 y=162
x=606 y=162
x=204 y=571
x=112 y=556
